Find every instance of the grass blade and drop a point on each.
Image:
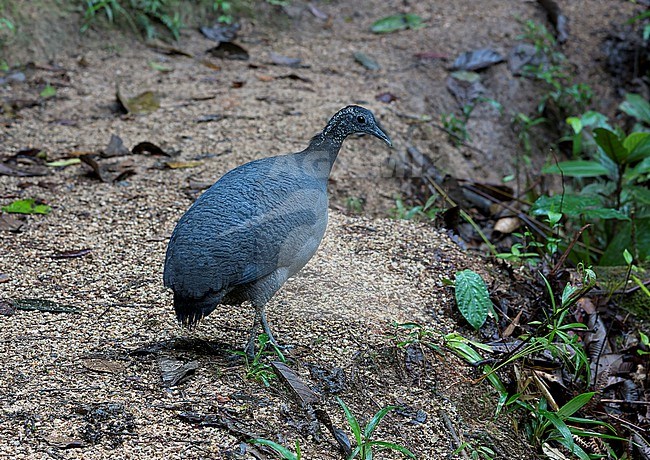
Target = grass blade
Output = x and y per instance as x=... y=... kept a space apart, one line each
x=352 y=421
x=370 y=427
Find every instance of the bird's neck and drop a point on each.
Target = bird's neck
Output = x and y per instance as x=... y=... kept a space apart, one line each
x=327 y=144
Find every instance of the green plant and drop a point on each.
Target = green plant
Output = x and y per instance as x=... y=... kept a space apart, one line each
x=224 y=8
x=472 y=298
x=562 y=426
x=457 y=127
x=554 y=335
x=141 y=15
x=416 y=334
x=365 y=443
x=27 y=206
x=426 y=211
x=6 y=24
x=476 y=453
x=354 y=204
x=257 y=369
x=284 y=452
x=608 y=188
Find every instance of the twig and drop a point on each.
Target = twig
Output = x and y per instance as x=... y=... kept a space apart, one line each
x=452 y=432
x=560 y=262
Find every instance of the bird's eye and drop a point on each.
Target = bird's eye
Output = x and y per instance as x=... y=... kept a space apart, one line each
x=361 y=119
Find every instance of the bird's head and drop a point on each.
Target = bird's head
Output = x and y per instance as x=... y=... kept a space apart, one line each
x=354 y=119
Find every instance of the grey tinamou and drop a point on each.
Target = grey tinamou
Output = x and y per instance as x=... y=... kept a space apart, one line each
x=257 y=226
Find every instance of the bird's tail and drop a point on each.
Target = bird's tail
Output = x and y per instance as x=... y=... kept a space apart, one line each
x=190 y=311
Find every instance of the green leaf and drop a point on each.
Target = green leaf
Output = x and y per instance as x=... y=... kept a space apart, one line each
x=392 y=446
x=352 y=421
x=622 y=240
x=48 y=91
x=280 y=449
x=627 y=257
x=605 y=213
x=611 y=144
x=574 y=405
x=636 y=106
x=577 y=168
x=594 y=120
x=472 y=297
x=372 y=424
x=575 y=123
x=638 y=144
x=591 y=206
x=568 y=291
x=640 y=169
x=27 y=206
x=396 y=22
x=64 y=162
x=559 y=425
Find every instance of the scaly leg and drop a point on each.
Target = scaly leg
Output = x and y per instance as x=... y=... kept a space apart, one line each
x=267 y=329
x=250 y=346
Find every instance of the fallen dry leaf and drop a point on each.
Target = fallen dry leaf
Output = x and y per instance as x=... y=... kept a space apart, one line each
x=507 y=225
x=104 y=366
x=182 y=164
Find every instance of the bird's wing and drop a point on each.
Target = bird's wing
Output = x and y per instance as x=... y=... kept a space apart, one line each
x=252 y=221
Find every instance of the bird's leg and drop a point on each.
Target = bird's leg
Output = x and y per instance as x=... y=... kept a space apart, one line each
x=250 y=346
x=267 y=329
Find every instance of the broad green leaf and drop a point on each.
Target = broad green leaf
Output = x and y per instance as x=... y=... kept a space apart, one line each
x=638 y=144
x=605 y=213
x=27 y=206
x=636 y=106
x=571 y=205
x=396 y=22
x=64 y=162
x=576 y=168
x=574 y=405
x=594 y=120
x=472 y=297
x=621 y=241
x=590 y=206
x=611 y=144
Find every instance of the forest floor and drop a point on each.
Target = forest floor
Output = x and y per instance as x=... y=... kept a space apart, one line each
x=85 y=382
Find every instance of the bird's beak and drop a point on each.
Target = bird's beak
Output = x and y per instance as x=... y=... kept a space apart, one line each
x=382 y=135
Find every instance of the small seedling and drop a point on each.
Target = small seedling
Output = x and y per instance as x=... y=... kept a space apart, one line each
x=354 y=204
x=257 y=369
x=365 y=444
x=476 y=453
x=416 y=335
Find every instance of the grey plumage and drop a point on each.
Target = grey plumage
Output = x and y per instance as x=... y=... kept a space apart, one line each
x=257 y=226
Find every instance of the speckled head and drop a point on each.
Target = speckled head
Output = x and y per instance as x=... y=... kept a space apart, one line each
x=354 y=119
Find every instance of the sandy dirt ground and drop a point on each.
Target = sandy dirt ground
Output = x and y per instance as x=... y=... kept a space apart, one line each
x=86 y=382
